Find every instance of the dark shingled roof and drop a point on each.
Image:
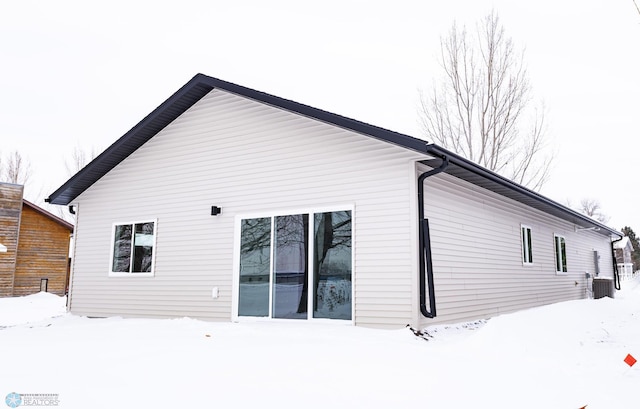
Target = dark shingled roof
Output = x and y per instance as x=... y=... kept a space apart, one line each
x=200 y=85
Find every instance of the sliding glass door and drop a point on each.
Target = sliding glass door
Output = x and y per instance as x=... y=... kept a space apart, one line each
x=290 y=271
x=332 y=265
x=255 y=267
x=296 y=266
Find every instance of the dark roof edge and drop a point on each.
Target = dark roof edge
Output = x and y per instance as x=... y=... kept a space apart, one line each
x=183 y=99
x=485 y=173
x=97 y=167
x=386 y=135
x=200 y=85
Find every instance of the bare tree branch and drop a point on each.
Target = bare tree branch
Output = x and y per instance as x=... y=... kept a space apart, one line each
x=479 y=108
x=78 y=160
x=592 y=208
x=16 y=169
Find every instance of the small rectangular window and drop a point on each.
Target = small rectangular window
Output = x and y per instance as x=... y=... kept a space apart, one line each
x=561 y=253
x=527 y=250
x=132 y=248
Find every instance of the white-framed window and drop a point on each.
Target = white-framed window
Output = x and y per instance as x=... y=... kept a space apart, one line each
x=560 y=246
x=133 y=248
x=527 y=244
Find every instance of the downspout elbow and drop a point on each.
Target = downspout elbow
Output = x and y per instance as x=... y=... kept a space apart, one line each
x=426 y=264
x=616 y=274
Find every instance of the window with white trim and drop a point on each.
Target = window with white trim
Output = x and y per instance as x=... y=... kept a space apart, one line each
x=527 y=249
x=132 y=248
x=561 y=253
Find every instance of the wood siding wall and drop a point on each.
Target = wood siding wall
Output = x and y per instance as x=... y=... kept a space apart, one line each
x=10 y=210
x=247 y=158
x=477 y=253
x=43 y=252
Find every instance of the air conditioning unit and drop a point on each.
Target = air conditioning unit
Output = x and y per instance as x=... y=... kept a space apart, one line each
x=603 y=287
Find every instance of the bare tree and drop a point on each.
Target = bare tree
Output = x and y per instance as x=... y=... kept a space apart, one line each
x=79 y=158
x=592 y=208
x=16 y=169
x=479 y=109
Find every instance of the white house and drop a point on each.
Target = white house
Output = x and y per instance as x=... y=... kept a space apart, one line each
x=230 y=204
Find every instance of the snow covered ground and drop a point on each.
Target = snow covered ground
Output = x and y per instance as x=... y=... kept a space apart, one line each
x=566 y=355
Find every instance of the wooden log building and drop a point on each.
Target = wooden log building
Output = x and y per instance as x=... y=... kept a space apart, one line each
x=34 y=246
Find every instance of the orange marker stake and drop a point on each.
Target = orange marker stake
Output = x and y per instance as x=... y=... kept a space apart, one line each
x=630 y=360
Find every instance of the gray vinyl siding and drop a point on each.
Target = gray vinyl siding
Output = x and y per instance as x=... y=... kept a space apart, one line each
x=247 y=158
x=477 y=253
x=253 y=159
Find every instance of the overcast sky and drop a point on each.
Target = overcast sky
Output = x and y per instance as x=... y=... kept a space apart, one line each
x=73 y=73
